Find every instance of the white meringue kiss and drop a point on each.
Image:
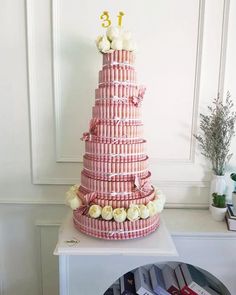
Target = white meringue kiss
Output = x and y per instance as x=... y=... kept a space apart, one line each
x=95 y=211
x=107 y=213
x=119 y=214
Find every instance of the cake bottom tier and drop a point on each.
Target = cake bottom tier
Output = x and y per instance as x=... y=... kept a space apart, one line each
x=112 y=230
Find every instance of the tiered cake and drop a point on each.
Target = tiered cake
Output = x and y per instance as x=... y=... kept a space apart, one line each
x=115 y=199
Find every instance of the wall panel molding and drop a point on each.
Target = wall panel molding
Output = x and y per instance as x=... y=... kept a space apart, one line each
x=223 y=51
x=45 y=256
x=57 y=88
x=58 y=168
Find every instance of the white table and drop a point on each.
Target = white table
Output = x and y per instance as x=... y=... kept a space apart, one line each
x=93 y=264
x=90 y=266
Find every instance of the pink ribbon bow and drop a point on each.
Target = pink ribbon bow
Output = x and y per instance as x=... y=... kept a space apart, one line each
x=86 y=136
x=92 y=130
x=88 y=199
x=142 y=186
x=137 y=100
x=93 y=126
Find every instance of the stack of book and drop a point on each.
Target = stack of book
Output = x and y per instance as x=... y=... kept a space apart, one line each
x=231 y=217
x=183 y=279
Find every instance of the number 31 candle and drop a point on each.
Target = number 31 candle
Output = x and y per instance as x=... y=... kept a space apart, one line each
x=106 y=22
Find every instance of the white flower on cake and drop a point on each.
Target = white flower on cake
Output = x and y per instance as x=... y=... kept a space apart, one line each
x=119 y=214
x=99 y=39
x=117 y=44
x=144 y=212
x=133 y=212
x=126 y=35
x=115 y=39
x=160 y=195
x=159 y=205
x=113 y=32
x=129 y=45
x=152 y=208
x=159 y=201
x=107 y=213
x=103 y=44
x=95 y=211
x=75 y=203
x=72 y=199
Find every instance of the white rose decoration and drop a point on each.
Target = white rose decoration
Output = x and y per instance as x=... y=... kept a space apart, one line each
x=75 y=203
x=119 y=214
x=95 y=211
x=152 y=208
x=117 y=44
x=159 y=205
x=160 y=196
x=129 y=45
x=71 y=198
x=133 y=212
x=99 y=39
x=107 y=213
x=160 y=202
x=144 y=212
x=126 y=35
x=104 y=44
x=113 y=32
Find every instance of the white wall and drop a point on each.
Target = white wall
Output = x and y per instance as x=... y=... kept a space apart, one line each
x=48 y=74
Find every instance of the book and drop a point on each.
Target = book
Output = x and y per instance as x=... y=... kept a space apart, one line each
x=142 y=280
x=157 y=281
x=194 y=279
x=127 y=285
x=231 y=210
x=231 y=223
x=184 y=289
x=170 y=281
x=116 y=289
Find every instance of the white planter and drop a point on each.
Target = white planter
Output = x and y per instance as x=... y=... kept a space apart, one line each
x=218 y=214
x=218 y=185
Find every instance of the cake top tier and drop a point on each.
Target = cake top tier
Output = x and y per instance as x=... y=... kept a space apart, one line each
x=119 y=57
x=116 y=38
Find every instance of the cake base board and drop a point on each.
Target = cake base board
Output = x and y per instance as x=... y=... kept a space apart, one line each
x=158 y=243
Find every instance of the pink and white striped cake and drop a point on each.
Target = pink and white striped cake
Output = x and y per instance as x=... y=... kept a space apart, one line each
x=115 y=199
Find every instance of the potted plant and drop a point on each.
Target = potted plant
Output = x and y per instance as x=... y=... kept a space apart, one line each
x=217 y=131
x=218 y=207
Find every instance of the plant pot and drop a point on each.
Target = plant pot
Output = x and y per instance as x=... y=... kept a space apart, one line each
x=234 y=199
x=218 y=185
x=218 y=214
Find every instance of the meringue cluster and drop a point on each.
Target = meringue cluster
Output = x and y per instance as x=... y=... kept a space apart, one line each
x=134 y=212
x=115 y=39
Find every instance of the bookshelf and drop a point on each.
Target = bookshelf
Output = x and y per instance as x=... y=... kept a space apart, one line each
x=146 y=279
x=185 y=235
